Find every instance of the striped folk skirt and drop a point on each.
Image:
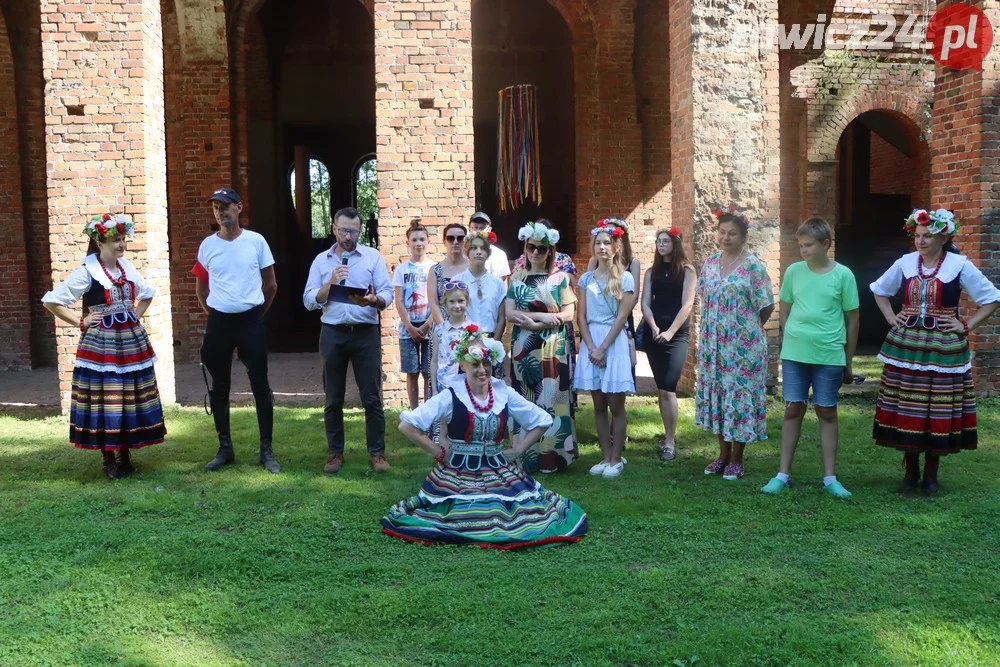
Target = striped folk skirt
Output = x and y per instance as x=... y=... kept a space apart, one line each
x=926 y=402
x=115 y=401
x=488 y=501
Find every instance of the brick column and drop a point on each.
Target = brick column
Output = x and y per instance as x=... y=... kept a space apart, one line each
x=423 y=107
x=965 y=177
x=15 y=351
x=105 y=149
x=724 y=129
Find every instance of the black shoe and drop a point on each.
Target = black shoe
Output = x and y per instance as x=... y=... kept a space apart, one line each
x=124 y=465
x=267 y=458
x=224 y=456
x=929 y=488
x=111 y=469
x=910 y=485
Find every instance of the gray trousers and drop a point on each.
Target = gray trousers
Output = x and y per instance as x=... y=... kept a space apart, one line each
x=361 y=346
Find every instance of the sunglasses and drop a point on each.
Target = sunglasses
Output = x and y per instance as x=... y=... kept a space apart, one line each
x=531 y=247
x=455 y=238
x=455 y=284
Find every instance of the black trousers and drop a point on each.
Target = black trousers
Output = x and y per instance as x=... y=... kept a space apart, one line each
x=245 y=333
x=361 y=346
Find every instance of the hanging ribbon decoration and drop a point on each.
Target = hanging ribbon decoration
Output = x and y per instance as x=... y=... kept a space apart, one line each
x=519 y=172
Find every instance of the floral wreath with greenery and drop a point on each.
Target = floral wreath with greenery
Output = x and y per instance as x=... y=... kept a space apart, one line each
x=941 y=221
x=535 y=231
x=614 y=227
x=733 y=211
x=105 y=226
x=462 y=349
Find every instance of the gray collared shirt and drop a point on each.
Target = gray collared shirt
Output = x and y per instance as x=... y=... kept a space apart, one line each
x=366 y=269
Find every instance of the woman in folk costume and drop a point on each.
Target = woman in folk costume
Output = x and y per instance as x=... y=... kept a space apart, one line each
x=476 y=494
x=926 y=402
x=115 y=403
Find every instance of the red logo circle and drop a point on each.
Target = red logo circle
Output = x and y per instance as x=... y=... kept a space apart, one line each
x=960 y=36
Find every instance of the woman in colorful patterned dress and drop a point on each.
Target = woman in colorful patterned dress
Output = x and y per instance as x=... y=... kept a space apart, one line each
x=926 y=401
x=115 y=403
x=564 y=263
x=540 y=302
x=737 y=298
x=475 y=495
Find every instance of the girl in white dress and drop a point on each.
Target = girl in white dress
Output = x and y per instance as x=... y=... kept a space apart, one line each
x=604 y=365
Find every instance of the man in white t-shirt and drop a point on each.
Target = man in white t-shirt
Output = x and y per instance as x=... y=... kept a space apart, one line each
x=497 y=263
x=236 y=286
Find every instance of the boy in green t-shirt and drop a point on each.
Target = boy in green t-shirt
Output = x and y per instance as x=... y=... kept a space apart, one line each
x=819 y=321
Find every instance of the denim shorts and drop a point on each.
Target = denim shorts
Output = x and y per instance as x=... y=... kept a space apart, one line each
x=796 y=377
x=414 y=356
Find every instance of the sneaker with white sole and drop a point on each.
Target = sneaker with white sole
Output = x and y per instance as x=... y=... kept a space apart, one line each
x=614 y=470
x=599 y=469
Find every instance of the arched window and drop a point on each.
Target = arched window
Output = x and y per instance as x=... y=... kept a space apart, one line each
x=319 y=196
x=365 y=179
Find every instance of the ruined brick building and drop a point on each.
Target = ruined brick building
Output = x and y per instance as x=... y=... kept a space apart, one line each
x=647 y=111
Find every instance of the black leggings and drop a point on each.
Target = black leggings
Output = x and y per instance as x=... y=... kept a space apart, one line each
x=245 y=333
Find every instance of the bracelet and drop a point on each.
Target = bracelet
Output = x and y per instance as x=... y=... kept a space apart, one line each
x=440 y=457
x=965 y=325
x=83 y=327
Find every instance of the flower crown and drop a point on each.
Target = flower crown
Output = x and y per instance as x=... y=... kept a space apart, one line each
x=615 y=227
x=941 y=221
x=733 y=211
x=462 y=349
x=483 y=234
x=105 y=226
x=536 y=231
x=675 y=232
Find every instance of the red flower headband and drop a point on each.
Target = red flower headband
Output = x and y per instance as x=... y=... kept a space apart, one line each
x=615 y=227
x=733 y=211
x=675 y=232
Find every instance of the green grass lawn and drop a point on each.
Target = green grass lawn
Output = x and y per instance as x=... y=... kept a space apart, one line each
x=176 y=566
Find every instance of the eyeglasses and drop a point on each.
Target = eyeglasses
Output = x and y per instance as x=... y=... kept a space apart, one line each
x=531 y=247
x=455 y=238
x=455 y=284
x=348 y=232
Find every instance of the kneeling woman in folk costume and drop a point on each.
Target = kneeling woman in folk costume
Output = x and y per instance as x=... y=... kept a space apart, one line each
x=475 y=495
x=115 y=403
x=926 y=402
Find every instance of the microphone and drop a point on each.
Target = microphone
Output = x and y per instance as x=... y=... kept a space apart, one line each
x=343 y=262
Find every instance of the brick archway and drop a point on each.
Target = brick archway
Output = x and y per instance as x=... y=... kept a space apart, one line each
x=823 y=147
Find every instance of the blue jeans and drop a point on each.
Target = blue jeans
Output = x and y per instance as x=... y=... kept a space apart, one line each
x=796 y=377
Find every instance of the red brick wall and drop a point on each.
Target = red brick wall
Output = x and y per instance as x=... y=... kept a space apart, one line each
x=23 y=29
x=107 y=61
x=199 y=159
x=414 y=155
x=965 y=177
x=15 y=351
x=890 y=170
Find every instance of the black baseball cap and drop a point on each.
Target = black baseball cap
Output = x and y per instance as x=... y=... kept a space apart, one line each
x=226 y=196
x=480 y=216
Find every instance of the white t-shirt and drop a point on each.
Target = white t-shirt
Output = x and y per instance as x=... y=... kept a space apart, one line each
x=412 y=278
x=234 y=267
x=497 y=263
x=483 y=311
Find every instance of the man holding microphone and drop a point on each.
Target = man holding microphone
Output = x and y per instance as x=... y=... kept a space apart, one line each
x=350 y=334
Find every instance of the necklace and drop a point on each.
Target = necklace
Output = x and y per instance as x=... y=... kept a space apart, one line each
x=920 y=266
x=472 y=399
x=726 y=269
x=479 y=283
x=120 y=280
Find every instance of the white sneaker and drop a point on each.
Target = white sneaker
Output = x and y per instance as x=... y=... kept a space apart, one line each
x=614 y=470
x=599 y=469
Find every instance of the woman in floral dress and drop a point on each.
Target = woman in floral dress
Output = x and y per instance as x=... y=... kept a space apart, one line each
x=540 y=302
x=737 y=298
